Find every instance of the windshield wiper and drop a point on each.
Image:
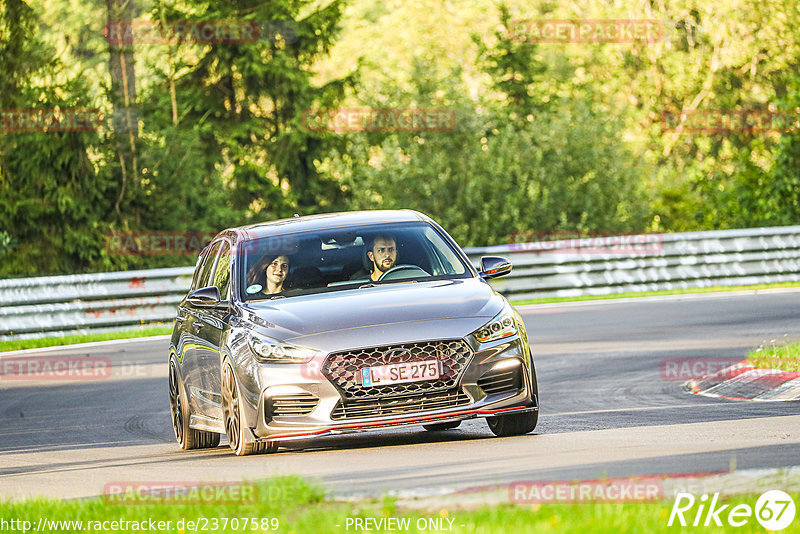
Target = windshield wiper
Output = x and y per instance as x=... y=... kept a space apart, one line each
x=372 y=284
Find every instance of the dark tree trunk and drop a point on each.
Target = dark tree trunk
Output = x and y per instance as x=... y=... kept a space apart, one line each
x=123 y=94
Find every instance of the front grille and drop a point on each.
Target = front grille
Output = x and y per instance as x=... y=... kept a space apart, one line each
x=398 y=405
x=343 y=368
x=500 y=382
x=291 y=405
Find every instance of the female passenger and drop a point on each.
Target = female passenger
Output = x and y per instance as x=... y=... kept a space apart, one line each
x=276 y=272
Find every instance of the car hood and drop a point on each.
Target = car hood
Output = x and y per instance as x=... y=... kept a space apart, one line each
x=309 y=315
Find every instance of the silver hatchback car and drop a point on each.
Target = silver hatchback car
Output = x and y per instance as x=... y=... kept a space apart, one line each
x=345 y=322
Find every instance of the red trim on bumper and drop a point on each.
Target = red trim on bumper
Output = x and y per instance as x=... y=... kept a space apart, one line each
x=394 y=422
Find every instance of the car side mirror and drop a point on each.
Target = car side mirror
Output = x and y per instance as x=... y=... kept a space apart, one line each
x=206 y=297
x=494 y=266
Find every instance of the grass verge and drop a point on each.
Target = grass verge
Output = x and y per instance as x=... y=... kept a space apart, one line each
x=81 y=338
x=290 y=505
x=715 y=289
x=784 y=356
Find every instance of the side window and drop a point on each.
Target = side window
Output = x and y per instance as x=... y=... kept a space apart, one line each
x=204 y=271
x=201 y=260
x=222 y=275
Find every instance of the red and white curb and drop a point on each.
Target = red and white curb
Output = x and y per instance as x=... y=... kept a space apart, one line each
x=744 y=381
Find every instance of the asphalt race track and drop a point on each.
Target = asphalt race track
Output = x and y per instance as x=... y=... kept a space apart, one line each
x=608 y=409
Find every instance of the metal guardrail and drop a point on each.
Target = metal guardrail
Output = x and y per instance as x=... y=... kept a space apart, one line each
x=57 y=305
x=82 y=303
x=653 y=262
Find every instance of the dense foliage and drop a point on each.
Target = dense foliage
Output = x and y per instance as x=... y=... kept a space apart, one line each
x=198 y=136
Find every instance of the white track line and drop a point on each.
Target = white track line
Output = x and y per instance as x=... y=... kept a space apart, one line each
x=85 y=345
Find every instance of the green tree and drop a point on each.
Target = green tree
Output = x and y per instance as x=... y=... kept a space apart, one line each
x=245 y=104
x=52 y=202
x=523 y=157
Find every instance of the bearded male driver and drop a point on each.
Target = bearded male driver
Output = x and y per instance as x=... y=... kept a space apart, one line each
x=382 y=254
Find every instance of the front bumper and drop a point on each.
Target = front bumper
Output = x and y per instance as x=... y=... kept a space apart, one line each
x=300 y=402
x=398 y=422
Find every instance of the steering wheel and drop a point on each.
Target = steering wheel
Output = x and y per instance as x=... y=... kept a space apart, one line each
x=399 y=272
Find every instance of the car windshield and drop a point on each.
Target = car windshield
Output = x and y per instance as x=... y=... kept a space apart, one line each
x=344 y=258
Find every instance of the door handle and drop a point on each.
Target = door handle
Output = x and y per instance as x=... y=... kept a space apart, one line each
x=197 y=325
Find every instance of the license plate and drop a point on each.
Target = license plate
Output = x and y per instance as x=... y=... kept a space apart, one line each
x=399 y=373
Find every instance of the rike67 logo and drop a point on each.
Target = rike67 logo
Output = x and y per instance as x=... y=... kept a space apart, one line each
x=774 y=510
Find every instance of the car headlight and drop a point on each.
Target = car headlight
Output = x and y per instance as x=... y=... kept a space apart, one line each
x=502 y=326
x=273 y=351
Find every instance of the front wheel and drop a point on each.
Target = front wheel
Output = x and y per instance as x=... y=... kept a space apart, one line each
x=239 y=437
x=514 y=424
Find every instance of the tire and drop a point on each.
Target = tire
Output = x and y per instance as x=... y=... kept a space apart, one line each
x=240 y=438
x=513 y=424
x=517 y=424
x=187 y=438
x=436 y=427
